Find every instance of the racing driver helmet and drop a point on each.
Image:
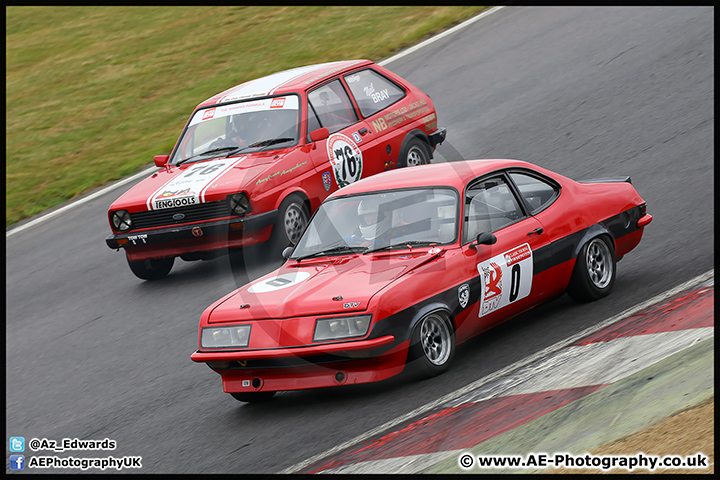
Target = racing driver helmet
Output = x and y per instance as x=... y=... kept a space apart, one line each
x=373 y=222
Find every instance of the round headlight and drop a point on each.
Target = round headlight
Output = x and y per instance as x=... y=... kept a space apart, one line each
x=121 y=220
x=239 y=203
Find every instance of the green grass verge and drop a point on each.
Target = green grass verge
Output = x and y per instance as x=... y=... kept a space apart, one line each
x=92 y=93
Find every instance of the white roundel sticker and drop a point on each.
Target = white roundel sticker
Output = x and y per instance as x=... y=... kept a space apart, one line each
x=278 y=283
x=346 y=159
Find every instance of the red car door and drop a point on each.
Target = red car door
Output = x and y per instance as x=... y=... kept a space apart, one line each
x=339 y=158
x=504 y=269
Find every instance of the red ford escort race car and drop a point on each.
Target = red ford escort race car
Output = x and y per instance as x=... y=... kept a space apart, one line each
x=399 y=268
x=254 y=161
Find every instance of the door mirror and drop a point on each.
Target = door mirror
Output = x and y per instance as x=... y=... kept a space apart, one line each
x=484 y=238
x=161 y=160
x=288 y=251
x=319 y=134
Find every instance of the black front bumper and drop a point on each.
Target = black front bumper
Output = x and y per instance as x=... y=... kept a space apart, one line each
x=185 y=232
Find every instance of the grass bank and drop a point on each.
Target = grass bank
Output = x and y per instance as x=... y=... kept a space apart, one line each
x=92 y=93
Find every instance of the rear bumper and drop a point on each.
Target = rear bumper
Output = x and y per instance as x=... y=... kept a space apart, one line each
x=175 y=240
x=437 y=137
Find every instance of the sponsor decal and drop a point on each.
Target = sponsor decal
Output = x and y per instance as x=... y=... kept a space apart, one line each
x=197 y=232
x=357 y=137
x=428 y=118
x=281 y=172
x=379 y=124
x=403 y=114
x=505 y=278
x=346 y=159
x=327 y=181
x=353 y=78
x=289 y=102
x=160 y=204
x=189 y=187
x=169 y=193
x=517 y=255
x=464 y=294
x=208 y=114
x=278 y=283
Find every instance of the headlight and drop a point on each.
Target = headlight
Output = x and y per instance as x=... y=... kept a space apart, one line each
x=343 y=327
x=121 y=220
x=239 y=203
x=225 y=337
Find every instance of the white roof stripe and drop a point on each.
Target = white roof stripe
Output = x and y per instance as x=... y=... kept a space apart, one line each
x=266 y=85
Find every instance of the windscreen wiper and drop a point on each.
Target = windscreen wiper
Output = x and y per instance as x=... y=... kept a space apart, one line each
x=271 y=141
x=329 y=251
x=410 y=244
x=214 y=150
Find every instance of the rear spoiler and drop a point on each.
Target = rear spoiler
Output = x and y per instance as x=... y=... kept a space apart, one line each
x=608 y=180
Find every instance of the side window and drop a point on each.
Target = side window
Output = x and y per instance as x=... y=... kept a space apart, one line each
x=373 y=91
x=489 y=206
x=313 y=123
x=538 y=193
x=332 y=106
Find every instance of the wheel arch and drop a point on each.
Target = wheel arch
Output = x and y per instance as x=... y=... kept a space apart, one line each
x=413 y=134
x=434 y=307
x=597 y=230
x=298 y=191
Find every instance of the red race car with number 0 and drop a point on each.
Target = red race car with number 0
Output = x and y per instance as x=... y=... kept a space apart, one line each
x=397 y=269
x=254 y=162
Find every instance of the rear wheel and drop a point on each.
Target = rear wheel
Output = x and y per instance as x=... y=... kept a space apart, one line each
x=432 y=345
x=253 y=397
x=594 y=273
x=151 y=269
x=416 y=153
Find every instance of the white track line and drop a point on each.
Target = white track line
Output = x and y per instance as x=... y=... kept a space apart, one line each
x=439 y=36
x=148 y=170
x=79 y=201
x=707 y=276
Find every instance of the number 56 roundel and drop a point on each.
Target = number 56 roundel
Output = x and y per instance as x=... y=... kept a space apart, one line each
x=505 y=278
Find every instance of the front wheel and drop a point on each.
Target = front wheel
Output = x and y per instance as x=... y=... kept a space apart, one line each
x=151 y=269
x=291 y=222
x=432 y=345
x=253 y=397
x=416 y=153
x=594 y=274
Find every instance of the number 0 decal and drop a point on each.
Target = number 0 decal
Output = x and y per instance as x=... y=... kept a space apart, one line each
x=505 y=278
x=346 y=159
x=279 y=282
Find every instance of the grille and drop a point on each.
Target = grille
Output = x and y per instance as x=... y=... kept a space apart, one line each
x=193 y=213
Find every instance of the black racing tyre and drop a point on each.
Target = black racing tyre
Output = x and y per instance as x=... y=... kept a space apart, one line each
x=292 y=219
x=151 y=269
x=417 y=152
x=594 y=274
x=432 y=345
x=253 y=397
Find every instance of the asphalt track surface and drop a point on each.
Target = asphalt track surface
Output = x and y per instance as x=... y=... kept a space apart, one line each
x=93 y=353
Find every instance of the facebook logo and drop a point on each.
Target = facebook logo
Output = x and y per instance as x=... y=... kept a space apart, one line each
x=17 y=462
x=17 y=444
